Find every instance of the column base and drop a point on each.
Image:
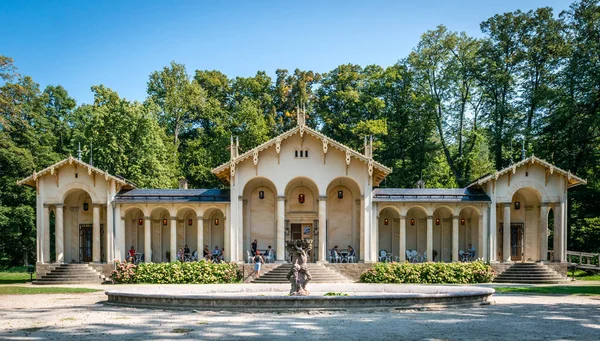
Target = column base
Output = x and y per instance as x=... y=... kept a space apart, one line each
x=279 y=261
x=322 y=262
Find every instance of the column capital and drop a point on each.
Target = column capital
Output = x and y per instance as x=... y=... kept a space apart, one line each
x=200 y=217
x=173 y=218
x=281 y=198
x=59 y=205
x=322 y=197
x=506 y=204
x=456 y=217
x=46 y=205
x=240 y=197
x=148 y=218
x=402 y=217
x=429 y=217
x=545 y=204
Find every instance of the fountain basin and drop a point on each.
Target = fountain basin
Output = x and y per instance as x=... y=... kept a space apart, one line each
x=269 y=296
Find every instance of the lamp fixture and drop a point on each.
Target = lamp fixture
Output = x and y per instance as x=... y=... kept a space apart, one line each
x=462 y=221
x=412 y=221
x=261 y=194
x=517 y=205
x=386 y=221
x=301 y=198
x=189 y=222
x=340 y=194
x=86 y=206
x=164 y=222
x=437 y=221
x=217 y=221
x=141 y=221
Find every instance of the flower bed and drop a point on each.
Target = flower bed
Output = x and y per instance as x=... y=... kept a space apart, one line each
x=201 y=272
x=459 y=273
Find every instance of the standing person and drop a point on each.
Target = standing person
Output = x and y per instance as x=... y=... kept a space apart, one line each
x=257 y=260
x=254 y=247
x=132 y=254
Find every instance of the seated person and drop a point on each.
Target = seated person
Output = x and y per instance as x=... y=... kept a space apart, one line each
x=351 y=252
x=222 y=256
x=205 y=252
x=186 y=250
x=471 y=250
x=180 y=254
x=131 y=257
x=216 y=253
x=194 y=255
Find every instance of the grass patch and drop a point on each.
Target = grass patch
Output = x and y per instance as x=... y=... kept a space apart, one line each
x=583 y=275
x=181 y=330
x=16 y=290
x=15 y=275
x=552 y=290
x=32 y=329
x=67 y=319
x=335 y=294
x=201 y=322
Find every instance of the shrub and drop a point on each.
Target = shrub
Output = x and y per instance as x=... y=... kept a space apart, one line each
x=429 y=272
x=201 y=272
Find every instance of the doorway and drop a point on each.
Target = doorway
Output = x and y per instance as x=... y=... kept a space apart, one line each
x=516 y=241
x=86 y=243
x=303 y=231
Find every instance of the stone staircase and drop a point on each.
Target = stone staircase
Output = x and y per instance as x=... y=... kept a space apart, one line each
x=319 y=273
x=530 y=273
x=70 y=274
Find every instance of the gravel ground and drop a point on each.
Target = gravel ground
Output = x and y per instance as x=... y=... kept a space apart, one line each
x=516 y=317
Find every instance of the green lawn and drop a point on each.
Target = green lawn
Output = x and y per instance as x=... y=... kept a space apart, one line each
x=556 y=290
x=584 y=275
x=17 y=290
x=14 y=275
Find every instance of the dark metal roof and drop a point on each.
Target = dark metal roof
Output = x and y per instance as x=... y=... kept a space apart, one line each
x=430 y=195
x=172 y=195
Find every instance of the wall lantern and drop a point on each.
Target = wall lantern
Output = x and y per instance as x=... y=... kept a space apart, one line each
x=340 y=194
x=437 y=221
x=217 y=221
x=141 y=221
x=189 y=222
x=462 y=221
x=164 y=222
x=301 y=198
x=86 y=206
x=412 y=221
x=386 y=221
x=517 y=205
x=261 y=194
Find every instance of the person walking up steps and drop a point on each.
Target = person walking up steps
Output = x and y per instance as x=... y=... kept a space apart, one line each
x=258 y=261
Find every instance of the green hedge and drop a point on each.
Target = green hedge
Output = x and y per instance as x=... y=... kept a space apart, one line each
x=461 y=273
x=201 y=272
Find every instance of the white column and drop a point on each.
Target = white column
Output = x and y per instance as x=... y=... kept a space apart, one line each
x=119 y=240
x=455 y=238
x=46 y=230
x=59 y=234
x=173 y=239
x=96 y=233
x=147 y=239
x=543 y=232
x=402 y=238
x=506 y=234
x=200 y=237
x=239 y=245
x=230 y=220
x=493 y=232
x=361 y=252
x=486 y=222
x=558 y=229
x=563 y=231
x=322 y=228
x=281 y=229
x=109 y=233
x=39 y=224
x=480 y=237
x=429 y=238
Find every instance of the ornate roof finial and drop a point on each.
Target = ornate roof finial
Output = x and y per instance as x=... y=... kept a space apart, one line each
x=301 y=116
x=79 y=151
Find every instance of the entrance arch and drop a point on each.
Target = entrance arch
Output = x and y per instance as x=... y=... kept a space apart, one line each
x=416 y=229
x=187 y=222
x=78 y=227
x=301 y=212
x=388 y=232
x=260 y=214
x=214 y=231
x=343 y=214
x=160 y=235
x=442 y=234
x=134 y=229
x=468 y=230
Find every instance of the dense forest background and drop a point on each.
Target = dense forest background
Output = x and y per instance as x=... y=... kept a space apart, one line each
x=453 y=110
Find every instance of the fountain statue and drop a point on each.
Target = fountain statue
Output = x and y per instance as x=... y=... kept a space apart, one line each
x=299 y=275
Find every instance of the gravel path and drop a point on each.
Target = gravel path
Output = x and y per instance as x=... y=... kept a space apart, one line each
x=516 y=317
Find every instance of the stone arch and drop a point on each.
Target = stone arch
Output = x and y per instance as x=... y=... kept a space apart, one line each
x=187 y=231
x=389 y=206
x=388 y=230
x=525 y=224
x=134 y=231
x=160 y=220
x=67 y=189
x=260 y=213
x=533 y=185
x=343 y=213
x=416 y=228
x=298 y=186
x=214 y=227
x=78 y=214
x=468 y=229
x=442 y=233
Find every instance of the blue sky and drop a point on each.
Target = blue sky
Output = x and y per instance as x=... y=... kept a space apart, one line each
x=78 y=44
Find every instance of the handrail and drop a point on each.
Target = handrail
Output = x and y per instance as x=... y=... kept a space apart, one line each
x=588 y=256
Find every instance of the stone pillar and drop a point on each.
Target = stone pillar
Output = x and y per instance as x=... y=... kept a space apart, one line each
x=506 y=234
x=239 y=245
x=280 y=251
x=96 y=233
x=147 y=239
x=46 y=243
x=200 y=237
x=59 y=234
x=119 y=240
x=455 y=238
x=402 y=238
x=361 y=253
x=558 y=229
x=322 y=228
x=173 y=239
x=480 y=238
x=543 y=232
x=429 y=238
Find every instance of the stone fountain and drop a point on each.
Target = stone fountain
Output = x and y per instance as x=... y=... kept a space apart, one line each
x=299 y=276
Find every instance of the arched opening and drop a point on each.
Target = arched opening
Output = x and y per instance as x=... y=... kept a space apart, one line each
x=214 y=231
x=187 y=232
x=388 y=234
x=442 y=234
x=416 y=230
x=134 y=231
x=468 y=232
x=301 y=212
x=260 y=214
x=52 y=236
x=524 y=227
x=78 y=228
x=550 y=240
x=343 y=214
x=160 y=235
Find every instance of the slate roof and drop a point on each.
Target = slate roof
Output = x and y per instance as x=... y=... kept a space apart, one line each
x=430 y=195
x=173 y=196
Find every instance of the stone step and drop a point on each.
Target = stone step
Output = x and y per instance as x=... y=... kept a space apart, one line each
x=517 y=281
x=530 y=273
x=49 y=276
x=71 y=273
x=65 y=282
x=319 y=274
